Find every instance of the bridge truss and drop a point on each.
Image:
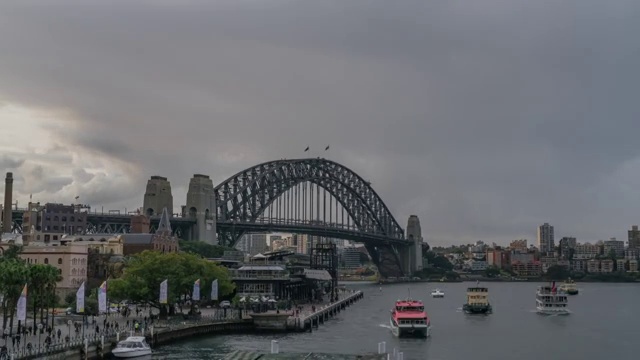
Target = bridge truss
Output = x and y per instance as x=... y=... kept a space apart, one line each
x=317 y=197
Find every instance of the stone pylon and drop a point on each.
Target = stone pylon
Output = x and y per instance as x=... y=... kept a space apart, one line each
x=414 y=234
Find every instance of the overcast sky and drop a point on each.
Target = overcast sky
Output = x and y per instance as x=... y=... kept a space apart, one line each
x=485 y=118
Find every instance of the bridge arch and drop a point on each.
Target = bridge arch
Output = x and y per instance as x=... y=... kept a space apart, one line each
x=245 y=196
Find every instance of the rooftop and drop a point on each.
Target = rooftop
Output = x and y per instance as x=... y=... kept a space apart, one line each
x=250 y=355
x=262 y=268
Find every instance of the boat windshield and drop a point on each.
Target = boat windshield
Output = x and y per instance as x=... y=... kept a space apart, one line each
x=130 y=345
x=410 y=308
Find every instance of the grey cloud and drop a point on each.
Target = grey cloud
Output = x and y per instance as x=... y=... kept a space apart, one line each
x=485 y=118
x=9 y=162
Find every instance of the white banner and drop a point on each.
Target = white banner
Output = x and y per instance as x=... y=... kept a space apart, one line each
x=80 y=299
x=164 y=290
x=22 y=304
x=102 y=298
x=196 y=291
x=214 y=290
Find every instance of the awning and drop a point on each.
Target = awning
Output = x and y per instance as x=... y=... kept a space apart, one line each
x=317 y=274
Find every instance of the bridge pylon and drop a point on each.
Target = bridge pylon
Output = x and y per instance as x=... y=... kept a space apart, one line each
x=201 y=206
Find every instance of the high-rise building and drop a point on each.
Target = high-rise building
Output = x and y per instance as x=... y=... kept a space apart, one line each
x=567 y=246
x=613 y=246
x=546 y=243
x=350 y=258
x=253 y=244
x=634 y=237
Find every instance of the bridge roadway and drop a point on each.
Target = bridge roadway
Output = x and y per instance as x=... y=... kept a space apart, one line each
x=117 y=223
x=312 y=228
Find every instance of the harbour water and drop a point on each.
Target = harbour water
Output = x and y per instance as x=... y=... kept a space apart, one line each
x=604 y=324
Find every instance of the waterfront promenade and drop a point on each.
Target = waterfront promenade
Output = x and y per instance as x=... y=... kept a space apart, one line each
x=70 y=331
x=101 y=332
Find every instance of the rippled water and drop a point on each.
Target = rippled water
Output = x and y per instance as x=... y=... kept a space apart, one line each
x=605 y=323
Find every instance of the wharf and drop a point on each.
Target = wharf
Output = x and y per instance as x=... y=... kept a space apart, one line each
x=250 y=355
x=307 y=322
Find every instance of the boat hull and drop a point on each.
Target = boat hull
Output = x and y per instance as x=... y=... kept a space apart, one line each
x=437 y=295
x=133 y=353
x=419 y=331
x=547 y=311
x=572 y=292
x=477 y=309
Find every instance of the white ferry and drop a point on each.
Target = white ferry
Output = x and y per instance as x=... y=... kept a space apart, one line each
x=132 y=347
x=552 y=301
x=437 y=293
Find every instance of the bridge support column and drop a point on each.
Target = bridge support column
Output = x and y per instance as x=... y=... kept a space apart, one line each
x=414 y=234
x=201 y=205
x=407 y=259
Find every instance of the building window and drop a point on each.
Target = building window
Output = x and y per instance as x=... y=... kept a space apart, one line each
x=72 y=219
x=46 y=261
x=59 y=261
x=59 y=271
x=74 y=272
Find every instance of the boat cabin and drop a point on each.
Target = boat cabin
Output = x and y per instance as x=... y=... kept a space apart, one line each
x=477 y=295
x=409 y=306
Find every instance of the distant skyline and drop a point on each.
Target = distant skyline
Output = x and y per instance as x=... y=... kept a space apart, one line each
x=485 y=118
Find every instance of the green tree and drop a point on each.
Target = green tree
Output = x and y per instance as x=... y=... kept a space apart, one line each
x=141 y=279
x=203 y=249
x=14 y=274
x=442 y=262
x=557 y=272
x=42 y=289
x=492 y=271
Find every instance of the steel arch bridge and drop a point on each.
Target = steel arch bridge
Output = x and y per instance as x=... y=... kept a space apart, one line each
x=312 y=196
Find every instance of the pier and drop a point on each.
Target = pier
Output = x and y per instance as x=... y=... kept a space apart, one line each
x=323 y=313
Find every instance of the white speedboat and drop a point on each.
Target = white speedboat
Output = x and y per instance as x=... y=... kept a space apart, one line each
x=131 y=347
x=437 y=293
x=552 y=301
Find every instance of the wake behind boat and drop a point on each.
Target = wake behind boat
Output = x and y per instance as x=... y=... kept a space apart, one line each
x=552 y=301
x=408 y=318
x=132 y=347
x=437 y=293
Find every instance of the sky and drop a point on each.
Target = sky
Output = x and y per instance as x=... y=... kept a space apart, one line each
x=486 y=118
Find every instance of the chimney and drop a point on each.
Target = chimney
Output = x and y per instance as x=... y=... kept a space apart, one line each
x=7 y=221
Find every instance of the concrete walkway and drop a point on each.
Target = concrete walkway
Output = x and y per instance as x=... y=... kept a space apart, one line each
x=96 y=326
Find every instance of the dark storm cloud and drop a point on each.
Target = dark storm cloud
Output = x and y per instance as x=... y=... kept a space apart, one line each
x=485 y=118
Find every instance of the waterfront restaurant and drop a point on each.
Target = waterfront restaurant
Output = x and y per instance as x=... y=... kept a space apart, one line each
x=257 y=281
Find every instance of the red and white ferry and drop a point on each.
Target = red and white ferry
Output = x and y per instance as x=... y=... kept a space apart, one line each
x=408 y=318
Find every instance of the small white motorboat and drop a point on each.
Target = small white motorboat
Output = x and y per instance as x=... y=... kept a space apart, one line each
x=131 y=347
x=437 y=293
